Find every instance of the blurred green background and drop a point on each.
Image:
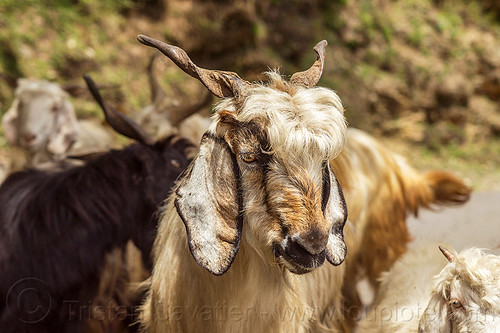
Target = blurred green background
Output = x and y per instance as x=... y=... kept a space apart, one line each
x=421 y=75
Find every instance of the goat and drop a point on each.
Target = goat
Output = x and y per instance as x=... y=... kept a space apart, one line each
x=259 y=221
x=42 y=122
x=259 y=197
x=381 y=189
x=57 y=227
x=463 y=297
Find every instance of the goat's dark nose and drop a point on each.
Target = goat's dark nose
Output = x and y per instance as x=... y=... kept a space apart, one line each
x=29 y=138
x=313 y=241
x=308 y=250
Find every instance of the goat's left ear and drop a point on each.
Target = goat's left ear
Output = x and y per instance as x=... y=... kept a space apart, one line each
x=336 y=213
x=435 y=317
x=67 y=128
x=9 y=121
x=208 y=202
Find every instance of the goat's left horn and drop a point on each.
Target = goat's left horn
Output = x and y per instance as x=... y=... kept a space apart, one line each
x=220 y=83
x=310 y=77
x=447 y=253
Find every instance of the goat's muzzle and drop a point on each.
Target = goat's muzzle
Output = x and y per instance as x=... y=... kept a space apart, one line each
x=302 y=254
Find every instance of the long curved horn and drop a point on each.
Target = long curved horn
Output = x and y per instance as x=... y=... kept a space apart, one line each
x=310 y=77
x=220 y=83
x=117 y=120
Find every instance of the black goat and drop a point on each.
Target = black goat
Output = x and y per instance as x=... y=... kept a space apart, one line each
x=56 y=228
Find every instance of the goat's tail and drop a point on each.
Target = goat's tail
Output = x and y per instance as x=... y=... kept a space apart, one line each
x=437 y=188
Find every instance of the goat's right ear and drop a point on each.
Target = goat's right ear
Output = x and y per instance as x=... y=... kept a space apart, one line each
x=435 y=317
x=208 y=202
x=9 y=122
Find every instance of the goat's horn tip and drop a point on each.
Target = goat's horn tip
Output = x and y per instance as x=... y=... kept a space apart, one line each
x=88 y=79
x=321 y=45
x=447 y=253
x=146 y=40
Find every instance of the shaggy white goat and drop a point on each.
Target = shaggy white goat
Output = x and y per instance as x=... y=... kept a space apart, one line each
x=381 y=189
x=42 y=122
x=464 y=295
x=257 y=210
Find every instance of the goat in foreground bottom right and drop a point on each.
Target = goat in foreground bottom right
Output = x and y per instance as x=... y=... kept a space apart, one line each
x=464 y=295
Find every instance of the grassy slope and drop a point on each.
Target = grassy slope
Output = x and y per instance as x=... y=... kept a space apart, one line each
x=386 y=59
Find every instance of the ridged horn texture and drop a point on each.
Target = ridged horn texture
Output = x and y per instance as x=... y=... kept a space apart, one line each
x=220 y=83
x=310 y=77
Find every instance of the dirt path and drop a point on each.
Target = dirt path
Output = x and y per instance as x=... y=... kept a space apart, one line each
x=477 y=223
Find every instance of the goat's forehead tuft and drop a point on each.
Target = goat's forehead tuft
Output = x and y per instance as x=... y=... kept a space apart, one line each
x=31 y=86
x=309 y=121
x=479 y=272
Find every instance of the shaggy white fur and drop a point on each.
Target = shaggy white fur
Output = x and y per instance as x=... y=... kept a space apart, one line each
x=304 y=129
x=301 y=121
x=463 y=296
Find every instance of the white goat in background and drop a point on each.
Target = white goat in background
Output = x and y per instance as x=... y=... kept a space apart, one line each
x=42 y=122
x=463 y=296
x=258 y=209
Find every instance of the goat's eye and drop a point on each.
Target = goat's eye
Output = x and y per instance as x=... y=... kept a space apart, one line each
x=247 y=157
x=455 y=303
x=175 y=163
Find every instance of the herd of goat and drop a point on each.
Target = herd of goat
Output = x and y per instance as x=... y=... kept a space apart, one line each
x=224 y=223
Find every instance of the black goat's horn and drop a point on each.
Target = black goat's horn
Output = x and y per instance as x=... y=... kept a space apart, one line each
x=220 y=83
x=117 y=120
x=310 y=77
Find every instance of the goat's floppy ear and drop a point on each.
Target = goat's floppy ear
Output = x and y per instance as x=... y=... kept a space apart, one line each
x=208 y=202
x=67 y=128
x=435 y=317
x=9 y=122
x=335 y=211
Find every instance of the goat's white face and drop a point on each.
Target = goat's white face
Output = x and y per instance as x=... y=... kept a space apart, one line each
x=466 y=297
x=40 y=117
x=466 y=312
x=37 y=112
x=281 y=197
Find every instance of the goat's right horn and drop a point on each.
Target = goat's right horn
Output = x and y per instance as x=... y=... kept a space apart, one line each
x=310 y=77
x=220 y=83
x=117 y=120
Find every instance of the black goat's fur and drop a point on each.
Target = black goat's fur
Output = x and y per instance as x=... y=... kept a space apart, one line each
x=57 y=227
